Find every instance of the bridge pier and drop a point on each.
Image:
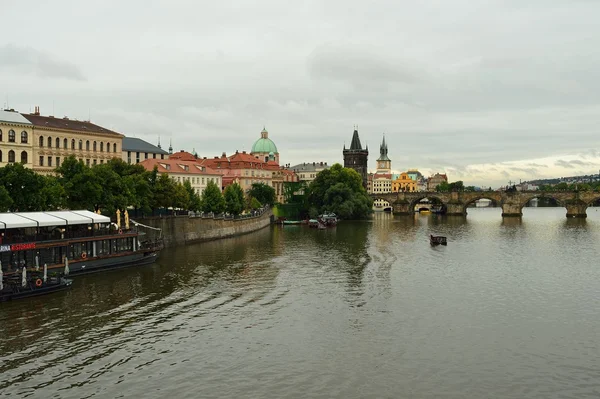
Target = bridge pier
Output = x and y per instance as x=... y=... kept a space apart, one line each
x=576 y=209
x=456 y=209
x=402 y=207
x=512 y=210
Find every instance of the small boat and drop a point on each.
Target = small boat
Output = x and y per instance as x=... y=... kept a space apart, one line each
x=437 y=240
x=13 y=287
x=328 y=219
x=313 y=223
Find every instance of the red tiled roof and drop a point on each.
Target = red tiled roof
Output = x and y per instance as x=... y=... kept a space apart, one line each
x=176 y=166
x=66 y=124
x=183 y=156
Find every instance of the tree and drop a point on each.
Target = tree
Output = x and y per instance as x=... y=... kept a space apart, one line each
x=339 y=190
x=54 y=196
x=263 y=193
x=194 y=203
x=24 y=187
x=443 y=187
x=212 y=200
x=181 y=199
x=164 y=191
x=5 y=200
x=234 y=199
x=81 y=186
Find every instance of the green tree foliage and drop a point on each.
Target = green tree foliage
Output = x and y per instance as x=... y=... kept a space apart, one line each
x=194 y=204
x=445 y=187
x=254 y=204
x=263 y=193
x=5 y=200
x=24 y=187
x=212 y=199
x=339 y=190
x=164 y=192
x=234 y=199
x=80 y=184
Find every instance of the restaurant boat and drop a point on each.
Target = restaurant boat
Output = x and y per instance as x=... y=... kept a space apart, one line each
x=78 y=241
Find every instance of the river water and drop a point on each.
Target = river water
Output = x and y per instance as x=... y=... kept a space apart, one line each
x=509 y=309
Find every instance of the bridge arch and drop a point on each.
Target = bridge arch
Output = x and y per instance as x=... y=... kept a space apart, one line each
x=416 y=199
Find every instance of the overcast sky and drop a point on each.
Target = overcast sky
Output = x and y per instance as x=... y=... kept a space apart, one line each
x=485 y=90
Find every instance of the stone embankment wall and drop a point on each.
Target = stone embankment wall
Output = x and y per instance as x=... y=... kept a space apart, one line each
x=181 y=230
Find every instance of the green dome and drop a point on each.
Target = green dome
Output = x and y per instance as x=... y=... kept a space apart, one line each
x=264 y=144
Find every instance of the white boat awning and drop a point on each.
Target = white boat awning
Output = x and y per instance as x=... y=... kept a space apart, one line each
x=14 y=221
x=20 y=220
x=71 y=217
x=95 y=217
x=42 y=219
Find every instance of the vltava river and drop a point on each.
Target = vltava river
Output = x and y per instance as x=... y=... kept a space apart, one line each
x=508 y=309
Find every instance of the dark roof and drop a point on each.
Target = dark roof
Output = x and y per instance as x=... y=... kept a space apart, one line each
x=139 y=145
x=355 y=145
x=67 y=124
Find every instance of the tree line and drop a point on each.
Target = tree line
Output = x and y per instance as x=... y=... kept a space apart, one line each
x=119 y=185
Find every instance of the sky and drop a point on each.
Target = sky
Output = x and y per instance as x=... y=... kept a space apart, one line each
x=487 y=91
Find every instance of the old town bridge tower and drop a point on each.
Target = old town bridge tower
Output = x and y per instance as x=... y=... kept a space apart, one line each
x=356 y=157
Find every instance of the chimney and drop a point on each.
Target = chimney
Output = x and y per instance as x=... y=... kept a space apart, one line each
x=243 y=152
x=224 y=155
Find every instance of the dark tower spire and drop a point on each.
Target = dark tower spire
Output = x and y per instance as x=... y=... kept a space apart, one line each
x=356 y=157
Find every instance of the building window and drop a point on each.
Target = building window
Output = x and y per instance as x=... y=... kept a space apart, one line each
x=115 y=147
x=65 y=143
x=23 y=156
x=49 y=161
x=154 y=156
x=137 y=157
x=72 y=144
x=0 y=135
x=107 y=147
x=129 y=157
x=101 y=146
x=41 y=160
x=101 y=161
x=94 y=162
x=23 y=136
x=145 y=155
x=162 y=156
x=87 y=162
x=0 y=155
x=87 y=145
x=57 y=142
x=57 y=162
x=49 y=142
x=11 y=136
x=80 y=144
x=11 y=156
x=94 y=146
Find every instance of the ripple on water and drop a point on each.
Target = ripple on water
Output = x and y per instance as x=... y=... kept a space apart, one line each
x=508 y=309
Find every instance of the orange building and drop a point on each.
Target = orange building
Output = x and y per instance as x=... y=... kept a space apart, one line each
x=404 y=183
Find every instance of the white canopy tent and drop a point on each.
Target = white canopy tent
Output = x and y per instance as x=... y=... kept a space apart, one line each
x=20 y=220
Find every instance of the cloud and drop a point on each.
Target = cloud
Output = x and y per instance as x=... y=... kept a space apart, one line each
x=450 y=86
x=27 y=59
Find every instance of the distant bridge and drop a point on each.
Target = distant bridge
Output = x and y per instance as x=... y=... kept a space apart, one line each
x=512 y=202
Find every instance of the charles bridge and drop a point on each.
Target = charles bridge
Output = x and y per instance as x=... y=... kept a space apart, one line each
x=512 y=202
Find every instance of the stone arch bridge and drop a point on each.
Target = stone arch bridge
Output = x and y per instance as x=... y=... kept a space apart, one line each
x=512 y=202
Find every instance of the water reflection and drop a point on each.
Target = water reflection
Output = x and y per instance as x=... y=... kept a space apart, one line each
x=275 y=313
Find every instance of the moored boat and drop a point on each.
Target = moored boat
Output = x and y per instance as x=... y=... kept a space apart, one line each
x=81 y=240
x=13 y=287
x=328 y=219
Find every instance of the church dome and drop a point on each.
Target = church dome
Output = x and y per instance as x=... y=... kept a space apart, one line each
x=264 y=144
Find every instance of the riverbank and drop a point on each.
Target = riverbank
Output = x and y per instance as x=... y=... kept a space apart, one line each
x=182 y=230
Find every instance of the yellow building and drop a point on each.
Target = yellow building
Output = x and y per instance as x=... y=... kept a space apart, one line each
x=16 y=137
x=55 y=139
x=404 y=183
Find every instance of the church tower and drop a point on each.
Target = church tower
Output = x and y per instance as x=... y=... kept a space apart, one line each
x=384 y=164
x=356 y=157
